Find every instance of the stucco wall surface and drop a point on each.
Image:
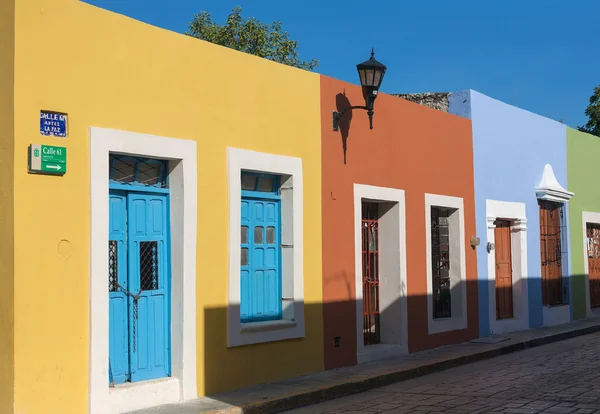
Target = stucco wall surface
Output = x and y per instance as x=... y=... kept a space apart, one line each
x=583 y=153
x=411 y=147
x=106 y=70
x=511 y=146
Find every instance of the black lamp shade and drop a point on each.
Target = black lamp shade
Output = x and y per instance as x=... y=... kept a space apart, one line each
x=371 y=74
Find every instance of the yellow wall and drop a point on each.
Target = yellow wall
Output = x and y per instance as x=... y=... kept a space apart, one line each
x=107 y=70
x=7 y=39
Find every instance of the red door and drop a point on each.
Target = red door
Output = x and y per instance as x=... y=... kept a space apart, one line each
x=593 y=247
x=551 y=253
x=370 y=273
x=504 y=293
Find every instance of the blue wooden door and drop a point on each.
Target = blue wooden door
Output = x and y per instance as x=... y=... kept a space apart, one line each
x=117 y=286
x=148 y=278
x=260 y=261
x=139 y=283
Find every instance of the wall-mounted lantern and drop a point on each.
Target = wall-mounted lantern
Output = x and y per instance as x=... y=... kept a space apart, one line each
x=371 y=74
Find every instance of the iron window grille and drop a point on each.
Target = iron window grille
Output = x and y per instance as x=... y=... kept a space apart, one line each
x=370 y=273
x=440 y=263
x=593 y=240
x=148 y=265
x=593 y=253
x=136 y=171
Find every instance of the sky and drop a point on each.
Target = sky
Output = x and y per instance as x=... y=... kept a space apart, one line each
x=540 y=55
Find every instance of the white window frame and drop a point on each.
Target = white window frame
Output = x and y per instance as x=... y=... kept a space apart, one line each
x=515 y=214
x=455 y=322
x=588 y=217
x=181 y=386
x=393 y=285
x=292 y=323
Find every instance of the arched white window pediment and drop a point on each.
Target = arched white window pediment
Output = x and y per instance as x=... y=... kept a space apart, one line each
x=550 y=189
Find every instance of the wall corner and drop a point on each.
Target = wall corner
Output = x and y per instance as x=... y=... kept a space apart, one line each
x=460 y=103
x=7 y=120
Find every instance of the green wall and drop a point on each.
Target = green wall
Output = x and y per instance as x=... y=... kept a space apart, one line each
x=583 y=167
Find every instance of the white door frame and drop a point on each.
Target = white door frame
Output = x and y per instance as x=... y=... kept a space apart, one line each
x=515 y=213
x=181 y=385
x=393 y=289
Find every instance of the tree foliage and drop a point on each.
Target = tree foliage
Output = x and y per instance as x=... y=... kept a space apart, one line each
x=593 y=113
x=268 y=41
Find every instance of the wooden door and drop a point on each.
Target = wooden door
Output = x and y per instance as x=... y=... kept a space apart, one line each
x=551 y=252
x=593 y=249
x=504 y=292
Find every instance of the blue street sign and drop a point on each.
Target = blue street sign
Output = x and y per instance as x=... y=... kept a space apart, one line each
x=53 y=124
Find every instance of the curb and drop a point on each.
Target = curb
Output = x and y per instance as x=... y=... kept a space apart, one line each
x=337 y=390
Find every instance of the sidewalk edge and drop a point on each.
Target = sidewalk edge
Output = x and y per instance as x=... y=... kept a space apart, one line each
x=342 y=389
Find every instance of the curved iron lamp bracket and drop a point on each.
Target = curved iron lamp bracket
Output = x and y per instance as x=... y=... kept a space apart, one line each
x=338 y=115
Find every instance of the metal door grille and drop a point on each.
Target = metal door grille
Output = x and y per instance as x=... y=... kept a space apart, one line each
x=593 y=249
x=113 y=266
x=370 y=273
x=551 y=216
x=149 y=265
x=440 y=263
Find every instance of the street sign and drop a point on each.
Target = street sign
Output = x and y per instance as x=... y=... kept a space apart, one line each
x=46 y=159
x=52 y=123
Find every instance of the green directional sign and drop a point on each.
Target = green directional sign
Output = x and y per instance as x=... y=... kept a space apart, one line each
x=47 y=159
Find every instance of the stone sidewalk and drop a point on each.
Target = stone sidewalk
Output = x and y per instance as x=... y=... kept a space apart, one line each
x=558 y=378
x=327 y=385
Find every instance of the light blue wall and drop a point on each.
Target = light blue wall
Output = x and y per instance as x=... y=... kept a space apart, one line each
x=511 y=146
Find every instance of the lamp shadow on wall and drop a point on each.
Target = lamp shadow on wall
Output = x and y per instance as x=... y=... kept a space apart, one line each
x=342 y=103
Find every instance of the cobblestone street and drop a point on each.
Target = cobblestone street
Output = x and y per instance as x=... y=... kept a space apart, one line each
x=563 y=377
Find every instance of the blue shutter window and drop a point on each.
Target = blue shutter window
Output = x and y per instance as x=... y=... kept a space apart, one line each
x=260 y=267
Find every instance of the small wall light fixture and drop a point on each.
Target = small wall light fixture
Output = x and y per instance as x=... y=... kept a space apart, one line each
x=371 y=74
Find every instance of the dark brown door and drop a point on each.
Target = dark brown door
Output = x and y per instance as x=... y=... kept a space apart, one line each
x=551 y=253
x=593 y=248
x=370 y=273
x=504 y=292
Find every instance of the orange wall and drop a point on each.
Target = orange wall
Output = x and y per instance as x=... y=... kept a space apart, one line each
x=411 y=147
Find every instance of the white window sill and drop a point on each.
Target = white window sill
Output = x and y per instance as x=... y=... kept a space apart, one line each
x=454 y=323
x=267 y=326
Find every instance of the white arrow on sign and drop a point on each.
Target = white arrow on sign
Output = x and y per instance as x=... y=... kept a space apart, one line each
x=54 y=167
